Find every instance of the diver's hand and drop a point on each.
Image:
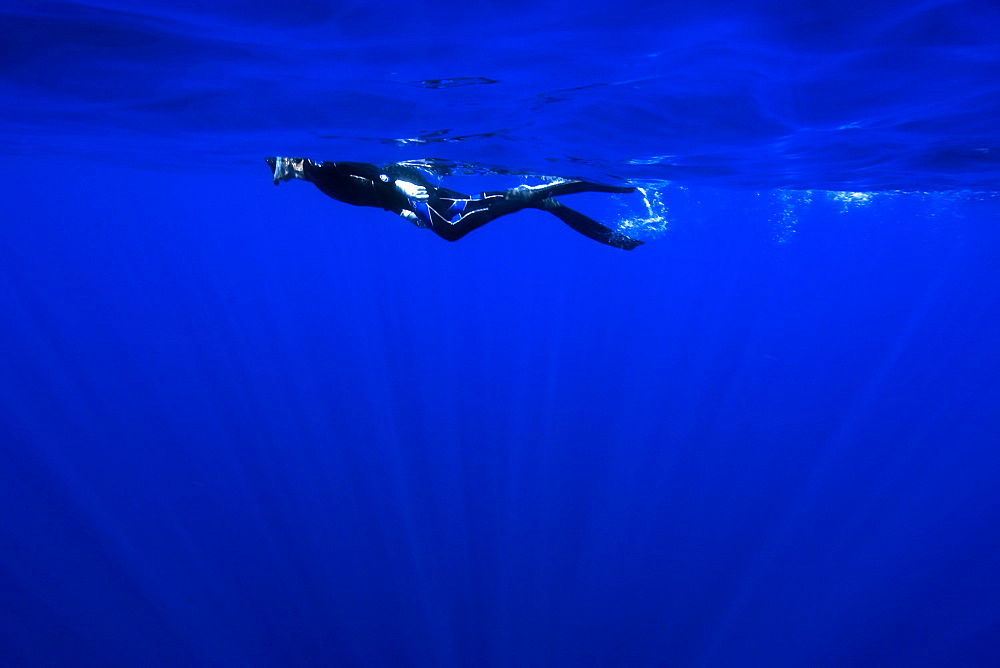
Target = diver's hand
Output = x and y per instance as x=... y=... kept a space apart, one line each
x=286 y=168
x=413 y=191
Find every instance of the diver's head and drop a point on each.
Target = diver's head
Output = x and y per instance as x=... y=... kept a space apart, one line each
x=284 y=169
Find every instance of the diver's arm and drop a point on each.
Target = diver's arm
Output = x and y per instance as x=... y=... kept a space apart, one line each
x=412 y=191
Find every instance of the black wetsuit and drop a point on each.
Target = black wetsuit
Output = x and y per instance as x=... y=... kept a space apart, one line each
x=450 y=214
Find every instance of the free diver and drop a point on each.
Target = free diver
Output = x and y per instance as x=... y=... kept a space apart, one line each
x=450 y=214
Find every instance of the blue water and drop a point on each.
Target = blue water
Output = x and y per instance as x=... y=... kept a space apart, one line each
x=243 y=425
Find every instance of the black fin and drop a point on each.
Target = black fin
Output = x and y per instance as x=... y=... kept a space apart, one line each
x=573 y=187
x=589 y=227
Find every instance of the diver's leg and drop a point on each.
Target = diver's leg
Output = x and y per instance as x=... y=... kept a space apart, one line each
x=480 y=212
x=532 y=196
x=457 y=217
x=590 y=227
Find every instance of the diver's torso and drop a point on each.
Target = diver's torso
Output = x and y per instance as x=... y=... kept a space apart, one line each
x=357 y=183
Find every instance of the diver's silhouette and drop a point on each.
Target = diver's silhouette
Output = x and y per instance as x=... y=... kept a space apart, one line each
x=404 y=190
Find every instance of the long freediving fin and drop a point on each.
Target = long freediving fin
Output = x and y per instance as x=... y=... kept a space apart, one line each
x=589 y=227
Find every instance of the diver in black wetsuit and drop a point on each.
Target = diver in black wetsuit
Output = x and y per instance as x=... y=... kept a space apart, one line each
x=404 y=191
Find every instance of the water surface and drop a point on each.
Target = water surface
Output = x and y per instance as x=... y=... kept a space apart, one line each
x=247 y=425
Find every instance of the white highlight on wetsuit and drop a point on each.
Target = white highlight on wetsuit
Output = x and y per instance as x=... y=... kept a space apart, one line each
x=542 y=186
x=465 y=212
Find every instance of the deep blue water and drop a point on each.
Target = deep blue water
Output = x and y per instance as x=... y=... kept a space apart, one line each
x=250 y=426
